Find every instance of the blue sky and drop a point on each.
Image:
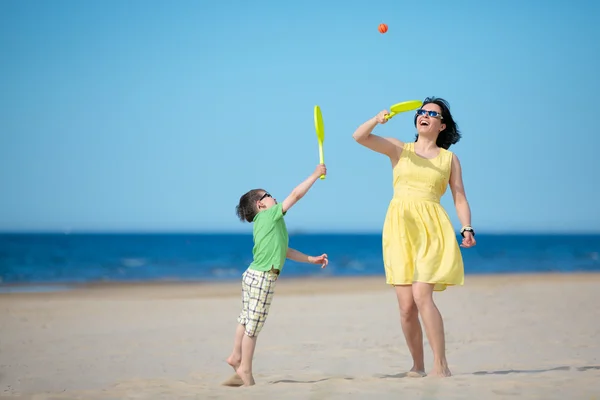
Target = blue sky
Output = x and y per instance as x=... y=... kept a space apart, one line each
x=158 y=116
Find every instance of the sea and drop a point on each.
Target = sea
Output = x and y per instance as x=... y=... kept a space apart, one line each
x=31 y=260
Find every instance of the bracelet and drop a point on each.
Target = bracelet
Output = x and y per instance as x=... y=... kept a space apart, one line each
x=467 y=228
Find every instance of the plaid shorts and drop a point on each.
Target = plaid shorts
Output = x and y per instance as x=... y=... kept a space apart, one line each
x=257 y=293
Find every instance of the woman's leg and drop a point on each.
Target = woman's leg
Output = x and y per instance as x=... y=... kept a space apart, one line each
x=434 y=326
x=409 y=318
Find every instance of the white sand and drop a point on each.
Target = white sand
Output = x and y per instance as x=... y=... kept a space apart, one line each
x=507 y=337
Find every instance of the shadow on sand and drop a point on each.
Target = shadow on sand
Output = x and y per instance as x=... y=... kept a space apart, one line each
x=505 y=372
x=537 y=371
x=313 y=381
x=499 y=372
x=395 y=376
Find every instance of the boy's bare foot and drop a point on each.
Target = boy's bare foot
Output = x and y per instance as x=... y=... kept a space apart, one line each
x=235 y=380
x=246 y=376
x=235 y=361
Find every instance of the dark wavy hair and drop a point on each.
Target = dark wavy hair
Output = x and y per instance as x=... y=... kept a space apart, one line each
x=449 y=136
x=246 y=209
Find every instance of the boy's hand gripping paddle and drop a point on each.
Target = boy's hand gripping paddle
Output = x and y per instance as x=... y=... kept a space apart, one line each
x=320 y=133
x=402 y=107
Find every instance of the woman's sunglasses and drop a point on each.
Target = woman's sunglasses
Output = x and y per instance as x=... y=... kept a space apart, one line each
x=433 y=114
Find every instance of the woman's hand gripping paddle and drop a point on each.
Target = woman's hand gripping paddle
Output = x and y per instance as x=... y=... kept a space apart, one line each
x=320 y=133
x=403 y=107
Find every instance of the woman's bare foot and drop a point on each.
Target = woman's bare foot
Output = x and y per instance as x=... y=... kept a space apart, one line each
x=246 y=376
x=440 y=370
x=416 y=373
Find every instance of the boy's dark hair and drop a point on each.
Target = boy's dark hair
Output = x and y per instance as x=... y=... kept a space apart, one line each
x=451 y=134
x=246 y=209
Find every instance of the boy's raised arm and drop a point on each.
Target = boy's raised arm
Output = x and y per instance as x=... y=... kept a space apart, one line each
x=300 y=190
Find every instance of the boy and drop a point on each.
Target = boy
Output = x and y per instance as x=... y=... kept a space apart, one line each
x=258 y=282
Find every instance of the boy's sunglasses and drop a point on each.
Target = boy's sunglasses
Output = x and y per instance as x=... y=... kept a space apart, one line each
x=433 y=114
x=267 y=194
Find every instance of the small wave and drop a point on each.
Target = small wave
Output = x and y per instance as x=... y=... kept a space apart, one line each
x=225 y=272
x=133 y=262
x=355 y=266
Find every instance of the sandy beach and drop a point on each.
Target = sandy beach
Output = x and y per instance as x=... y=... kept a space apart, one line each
x=513 y=336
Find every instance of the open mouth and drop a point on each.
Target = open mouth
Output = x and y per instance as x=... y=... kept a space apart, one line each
x=424 y=123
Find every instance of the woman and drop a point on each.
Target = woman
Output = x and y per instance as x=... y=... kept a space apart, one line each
x=420 y=251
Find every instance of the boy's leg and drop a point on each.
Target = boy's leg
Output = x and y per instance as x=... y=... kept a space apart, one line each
x=261 y=289
x=235 y=358
x=245 y=369
x=236 y=355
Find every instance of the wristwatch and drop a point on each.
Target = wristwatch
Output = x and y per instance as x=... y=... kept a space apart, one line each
x=467 y=228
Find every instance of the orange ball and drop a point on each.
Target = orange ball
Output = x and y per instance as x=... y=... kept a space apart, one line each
x=383 y=28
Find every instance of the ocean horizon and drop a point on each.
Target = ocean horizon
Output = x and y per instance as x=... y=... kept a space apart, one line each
x=83 y=258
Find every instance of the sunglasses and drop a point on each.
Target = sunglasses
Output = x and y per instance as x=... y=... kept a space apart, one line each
x=433 y=114
x=267 y=194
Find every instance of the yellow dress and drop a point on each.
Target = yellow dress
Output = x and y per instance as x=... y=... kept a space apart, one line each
x=419 y=242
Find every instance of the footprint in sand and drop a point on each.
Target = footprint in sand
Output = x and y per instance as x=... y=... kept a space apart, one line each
x=409 y=374
x=505 y=392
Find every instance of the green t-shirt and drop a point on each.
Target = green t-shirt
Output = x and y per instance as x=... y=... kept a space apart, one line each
x=270 y=239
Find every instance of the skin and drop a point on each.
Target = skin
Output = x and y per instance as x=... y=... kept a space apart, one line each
x=418 y=297
x=243 y=345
